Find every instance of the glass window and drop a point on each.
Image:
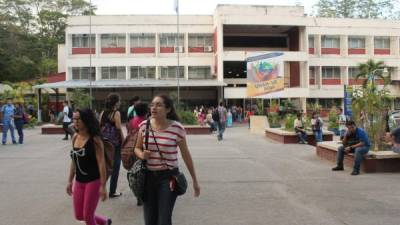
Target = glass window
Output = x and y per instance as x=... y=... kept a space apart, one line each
x=353 y=72
x=330 y=42
x=170 y=40
x=113 y=40
x=199 y=72
x=143 y=40
x=138 y=72
x=382 y=42
x=312 y=72
x=311 y=41
x=331 y=72
x=357 y=42
x=169 y=72
x=82 y=73
x=200 y=40
x=113 y=73
x=328 y=103
x=82 y=41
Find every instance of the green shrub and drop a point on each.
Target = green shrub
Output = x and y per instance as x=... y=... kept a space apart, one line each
x=187 y=117
x=274 y=120
x=289 y=122
x=333 y=119
x=32 y=122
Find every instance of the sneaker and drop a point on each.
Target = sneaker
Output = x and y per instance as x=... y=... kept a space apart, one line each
x=355 y=173
x=115 y=195
x=65 y=139
x=338 y=168
x=109 y=221
x=14 y=142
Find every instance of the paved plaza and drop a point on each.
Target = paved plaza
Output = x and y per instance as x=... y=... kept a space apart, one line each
x=245 y=180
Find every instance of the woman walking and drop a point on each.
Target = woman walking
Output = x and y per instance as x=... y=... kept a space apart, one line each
x=110 y=124
x=88 y=168
x=19 y=121
x=166 y=134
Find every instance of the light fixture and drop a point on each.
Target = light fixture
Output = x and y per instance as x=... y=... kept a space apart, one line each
x=385 y=72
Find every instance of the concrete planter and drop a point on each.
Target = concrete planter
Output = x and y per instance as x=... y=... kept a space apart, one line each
x=290 y=137
x=197 y=129
x=374 y=162
x=258 y=124
x=52 y=129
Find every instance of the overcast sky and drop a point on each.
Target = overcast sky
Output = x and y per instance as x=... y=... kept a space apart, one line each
x=199 y=7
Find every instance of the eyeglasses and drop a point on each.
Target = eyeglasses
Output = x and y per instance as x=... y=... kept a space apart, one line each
x=157 y=105
x=76 y=119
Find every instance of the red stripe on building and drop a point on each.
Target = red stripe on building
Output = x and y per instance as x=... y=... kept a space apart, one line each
x=166 y=49
x=312 y=81
x=330 y=51
x=77 y=51
x=143 y=50
x=57 y=77
x=356 y=51
x=311 y=50
x=112 y=50
x=196 y=49
x=381 y=51
x=331 y=81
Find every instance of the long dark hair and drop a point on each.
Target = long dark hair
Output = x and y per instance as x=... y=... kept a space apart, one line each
x=92 y=125
x=169 y=104
x=111 y=100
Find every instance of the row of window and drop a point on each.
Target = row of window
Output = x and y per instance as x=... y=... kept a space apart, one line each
x=144 y=40
x=353 y=42
x=137 y=72
x=334 y=72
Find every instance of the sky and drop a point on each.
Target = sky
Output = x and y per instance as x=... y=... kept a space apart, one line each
x=191 y=7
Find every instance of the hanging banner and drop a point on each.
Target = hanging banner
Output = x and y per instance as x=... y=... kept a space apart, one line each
x=348 y=95
x=264 y=74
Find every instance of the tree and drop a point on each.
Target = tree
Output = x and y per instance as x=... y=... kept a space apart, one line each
x=371 y=69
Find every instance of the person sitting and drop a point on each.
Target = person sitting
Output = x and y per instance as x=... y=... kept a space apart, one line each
x=355 y=141
x=299 y=128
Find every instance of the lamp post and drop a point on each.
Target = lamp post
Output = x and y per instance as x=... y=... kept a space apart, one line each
x=371 y=76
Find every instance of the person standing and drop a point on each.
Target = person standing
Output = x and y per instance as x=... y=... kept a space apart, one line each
x=110 y=124
x=229 y=120
x=166 y=136
x=131 y=110
x=355 y=141
x=67 y=119
x=222 y=120
x=87 y=174
x=8 y=111
x=342 y=123
x=316 y=124
x=19 y=121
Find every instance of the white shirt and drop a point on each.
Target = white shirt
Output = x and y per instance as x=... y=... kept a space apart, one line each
x=66 y=118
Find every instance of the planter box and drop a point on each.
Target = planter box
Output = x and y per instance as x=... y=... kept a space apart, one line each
x=197 y=129
x=290 y=137
x=374 y=162
x=52 y=129
x=258 y=124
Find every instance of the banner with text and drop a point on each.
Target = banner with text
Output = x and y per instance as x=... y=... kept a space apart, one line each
x=264 y=74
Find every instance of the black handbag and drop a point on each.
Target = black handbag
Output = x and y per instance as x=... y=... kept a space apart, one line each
x=180 y=179
x=137 y=174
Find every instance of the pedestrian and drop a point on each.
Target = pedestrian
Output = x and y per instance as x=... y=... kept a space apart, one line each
x=67 y=119
x=87 y=175
x=299 y=128
x=249 y=113
x=8 y=111
x=131 y=110
x=317 y=124
x=342 y=123
x=229 y=120
x=166 y=134
x=355 y=141
x=110 y=125
x=239 y=114
x=52 y=114
x=19 y=121
x=209 y=120
x=222 y=120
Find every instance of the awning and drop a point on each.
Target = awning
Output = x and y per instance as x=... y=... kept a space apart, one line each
x=131 y=83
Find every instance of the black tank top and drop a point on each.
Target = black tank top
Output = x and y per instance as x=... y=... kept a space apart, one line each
x=86 y=167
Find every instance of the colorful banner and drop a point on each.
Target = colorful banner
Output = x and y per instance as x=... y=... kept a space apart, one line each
x=264 y=74
x=348 y=95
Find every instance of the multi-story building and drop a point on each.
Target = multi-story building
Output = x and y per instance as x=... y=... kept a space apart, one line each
x=137 y=55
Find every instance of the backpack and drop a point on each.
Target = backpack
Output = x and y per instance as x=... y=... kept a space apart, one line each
x=70 y=112
x=128 y=149
x=215 y=115
x=110 y=132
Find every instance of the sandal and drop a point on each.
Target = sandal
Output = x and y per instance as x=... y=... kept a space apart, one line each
x=115 y=195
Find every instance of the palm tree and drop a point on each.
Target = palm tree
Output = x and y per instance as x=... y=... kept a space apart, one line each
x=370 y=71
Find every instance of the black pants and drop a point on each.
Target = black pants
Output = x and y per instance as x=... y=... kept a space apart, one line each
x=159 y=200
x=65 y=127
x=115 y=172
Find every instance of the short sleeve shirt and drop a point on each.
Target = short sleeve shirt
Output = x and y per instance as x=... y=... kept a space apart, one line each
x=8 y=111
x=66 y=118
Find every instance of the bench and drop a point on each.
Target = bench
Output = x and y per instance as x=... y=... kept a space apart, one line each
x=52 y=129
x=374 y=161
x=290 y=137
x=197 y=129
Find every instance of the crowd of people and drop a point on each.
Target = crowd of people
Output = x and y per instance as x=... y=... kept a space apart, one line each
x=14 y=117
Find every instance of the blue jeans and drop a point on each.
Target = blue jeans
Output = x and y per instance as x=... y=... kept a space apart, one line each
x=115 y=172
x=342 y=132
x=302 y=136
x=318 y=135
x=159 y=200
x=19 y=125
x=221 y=129
x=7 y=125
x=358 y=156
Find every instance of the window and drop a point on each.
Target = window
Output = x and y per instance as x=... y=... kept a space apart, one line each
x=382 y=42
x=199 y=72
x=312 y=72
x=82 y=73
x=82 y=41
x=311 y=41
x=113 y=73
x=143 y=41
x=330 y=42
x=113 y=40
x=200 y=40
x=353 y=72
x=170 y=40
x=169 y=72
x=328 y=103
x=330 y=72
x=357 y=42
x=140 y=72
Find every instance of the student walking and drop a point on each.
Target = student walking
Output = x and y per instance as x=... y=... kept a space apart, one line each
x=87 y=175
x=110 y=125
x=8 y=111
x=165 y=135
x=67 y=119
x=221 y=123
x=19 y=121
